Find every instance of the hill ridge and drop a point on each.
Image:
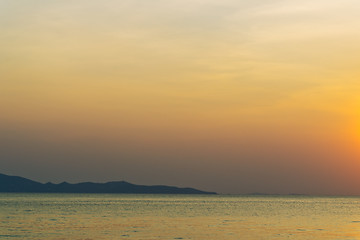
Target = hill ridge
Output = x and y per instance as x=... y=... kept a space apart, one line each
x=20 y=184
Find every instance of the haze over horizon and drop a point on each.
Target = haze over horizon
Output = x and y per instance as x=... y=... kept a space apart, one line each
x=230 y=96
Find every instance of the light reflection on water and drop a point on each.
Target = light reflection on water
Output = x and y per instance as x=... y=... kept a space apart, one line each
x=116 y=216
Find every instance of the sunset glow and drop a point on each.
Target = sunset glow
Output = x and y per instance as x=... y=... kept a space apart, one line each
x=229 y=96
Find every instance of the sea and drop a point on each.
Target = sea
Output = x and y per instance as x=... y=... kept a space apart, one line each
x=205 y=217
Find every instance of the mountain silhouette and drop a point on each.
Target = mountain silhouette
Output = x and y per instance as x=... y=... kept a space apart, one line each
x=20 y=184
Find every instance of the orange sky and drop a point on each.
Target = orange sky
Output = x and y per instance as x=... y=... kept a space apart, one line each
x=228 y=96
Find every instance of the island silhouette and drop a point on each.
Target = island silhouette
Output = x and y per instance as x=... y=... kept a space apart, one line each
x=15 y=184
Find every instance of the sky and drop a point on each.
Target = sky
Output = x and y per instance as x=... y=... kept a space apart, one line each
x=232 y=96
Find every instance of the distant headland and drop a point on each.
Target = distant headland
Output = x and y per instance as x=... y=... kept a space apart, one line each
x=15 y=184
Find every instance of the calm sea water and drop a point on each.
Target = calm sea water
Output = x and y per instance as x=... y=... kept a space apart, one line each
x=116 y=216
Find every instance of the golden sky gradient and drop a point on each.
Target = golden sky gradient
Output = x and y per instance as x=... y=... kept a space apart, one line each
x=230 y=96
